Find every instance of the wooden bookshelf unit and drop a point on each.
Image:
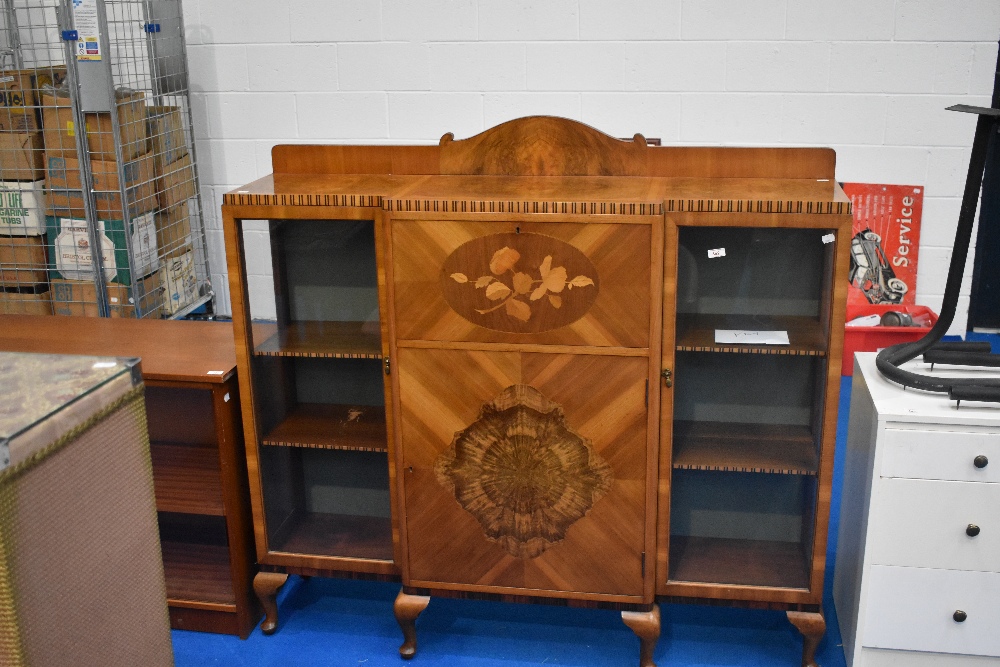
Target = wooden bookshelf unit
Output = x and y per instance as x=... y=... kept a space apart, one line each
x=196 y=443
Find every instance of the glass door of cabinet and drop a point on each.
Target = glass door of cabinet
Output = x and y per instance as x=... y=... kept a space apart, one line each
x=751 y=337
x=320 y=395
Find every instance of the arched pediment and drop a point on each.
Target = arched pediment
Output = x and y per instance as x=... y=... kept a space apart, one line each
x=543 y=146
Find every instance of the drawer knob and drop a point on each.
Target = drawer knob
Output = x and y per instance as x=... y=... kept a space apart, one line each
x=980 y=461
x=959 y=616
x=972 y=530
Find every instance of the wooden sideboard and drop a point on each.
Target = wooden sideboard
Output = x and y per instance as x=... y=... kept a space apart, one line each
x=196 y=443
x=498 y=367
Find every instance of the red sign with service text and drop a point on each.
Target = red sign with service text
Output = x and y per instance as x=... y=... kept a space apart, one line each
x=885 y=242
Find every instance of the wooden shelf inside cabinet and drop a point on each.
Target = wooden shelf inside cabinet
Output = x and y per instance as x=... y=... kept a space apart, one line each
x=186 y=479
x=336 y=535
x=696 y=333
x=334 y=340
x=737 y=447
x=197 y=573
x=716 y=560
x=320 y=426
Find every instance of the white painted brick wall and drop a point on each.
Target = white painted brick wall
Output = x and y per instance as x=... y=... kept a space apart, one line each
x=478 y=66
x=675 y=66
x=777 y=66
x=568 y=66
x=871 y=78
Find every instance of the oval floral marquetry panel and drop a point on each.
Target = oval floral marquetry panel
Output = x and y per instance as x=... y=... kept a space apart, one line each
x=523 y=472
x=519 y=283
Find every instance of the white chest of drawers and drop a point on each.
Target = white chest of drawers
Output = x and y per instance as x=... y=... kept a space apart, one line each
x=917 y=581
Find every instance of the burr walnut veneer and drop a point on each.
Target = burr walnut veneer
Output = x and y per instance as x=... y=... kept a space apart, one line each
x=489 y=368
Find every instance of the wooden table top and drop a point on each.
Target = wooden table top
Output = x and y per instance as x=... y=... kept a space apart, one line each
x=177 y=350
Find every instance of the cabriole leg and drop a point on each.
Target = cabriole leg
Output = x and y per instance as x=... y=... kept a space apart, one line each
x=812 y=625
x=406 y=608
x=266 y=585
x=646 y=626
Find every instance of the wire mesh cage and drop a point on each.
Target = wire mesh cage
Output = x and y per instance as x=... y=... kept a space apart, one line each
x=100 y=212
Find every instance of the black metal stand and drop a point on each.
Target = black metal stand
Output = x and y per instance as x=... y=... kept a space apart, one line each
x=969 y=354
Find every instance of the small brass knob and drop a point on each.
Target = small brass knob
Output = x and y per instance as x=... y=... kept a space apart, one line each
x=668 y=377
x=959 y=616
x=980 y=461
x=972 y=530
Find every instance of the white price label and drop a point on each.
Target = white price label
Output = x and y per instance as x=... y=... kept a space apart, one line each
x=718 y=252
x=828 y=238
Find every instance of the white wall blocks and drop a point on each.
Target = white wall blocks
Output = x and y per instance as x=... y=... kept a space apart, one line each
x=871 y=78
x=475 y=66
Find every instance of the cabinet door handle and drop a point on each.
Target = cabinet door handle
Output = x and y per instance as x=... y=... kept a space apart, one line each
x=959 y=616
x=980 y=461
x=972 y=530
x=387 y=367
x=668 y=377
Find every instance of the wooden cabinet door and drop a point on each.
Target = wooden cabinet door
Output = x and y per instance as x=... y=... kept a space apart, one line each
x=497 y=281
x=524 y=472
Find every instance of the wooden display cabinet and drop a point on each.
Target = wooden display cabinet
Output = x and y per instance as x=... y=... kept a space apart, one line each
x=748 y=429
x=489 y=368
x=196 y=444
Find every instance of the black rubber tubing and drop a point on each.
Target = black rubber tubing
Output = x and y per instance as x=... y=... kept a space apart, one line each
x=889 y=359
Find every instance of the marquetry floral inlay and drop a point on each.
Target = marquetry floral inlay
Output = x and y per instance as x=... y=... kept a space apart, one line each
x=522 y=472
x=526 y=282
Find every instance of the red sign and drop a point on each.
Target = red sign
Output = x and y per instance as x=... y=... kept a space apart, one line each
x=885 y=242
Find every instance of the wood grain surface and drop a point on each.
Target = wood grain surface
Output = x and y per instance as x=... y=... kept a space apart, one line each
x=616 y=308
x=602 y=398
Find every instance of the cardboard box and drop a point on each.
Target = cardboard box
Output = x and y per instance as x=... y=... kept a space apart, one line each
x=18 y=106
x=59 y=127
x=22 y=157
x=180 y=283
x=79 y=298
x=22 y=261
x=173 y=231
x=64 y=184
x=20 y=95
x=165 y=127
x=26 y=302
x=131 y=107
x=22 y=208
x=72 y=258
x=176 y=183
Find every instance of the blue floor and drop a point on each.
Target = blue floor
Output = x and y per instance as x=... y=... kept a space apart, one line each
x=336 y=622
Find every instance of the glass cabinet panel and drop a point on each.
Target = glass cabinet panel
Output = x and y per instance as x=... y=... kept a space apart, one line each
x=752 y=321
x=320 y=399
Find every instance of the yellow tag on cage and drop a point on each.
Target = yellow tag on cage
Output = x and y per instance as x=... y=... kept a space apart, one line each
x=70 y=128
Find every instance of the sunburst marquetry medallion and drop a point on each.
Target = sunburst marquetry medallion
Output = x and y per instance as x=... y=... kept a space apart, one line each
x=519 y=283
x=523 y=472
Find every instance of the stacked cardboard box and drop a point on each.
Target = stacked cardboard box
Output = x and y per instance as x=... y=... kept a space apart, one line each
x=175 y=183
x=59 y=126
x=66 y=189
x=24 y=286
x=79 y=297
x=180 y=282
x=23 y=274
x=121 y=224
